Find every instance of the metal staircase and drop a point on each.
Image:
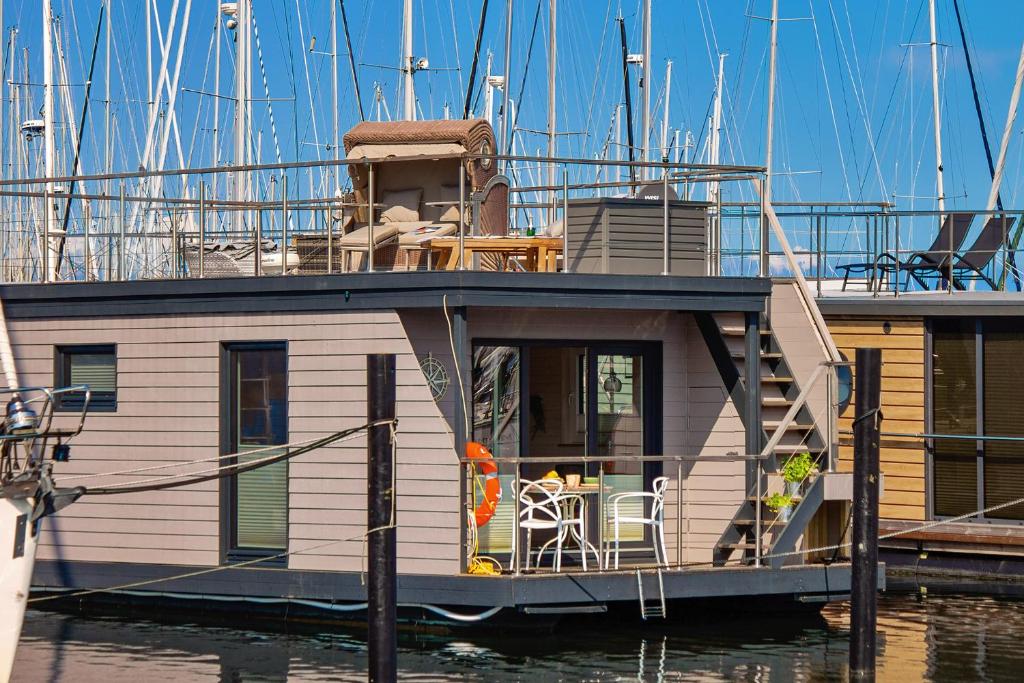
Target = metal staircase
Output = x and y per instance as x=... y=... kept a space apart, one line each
x=788 y=427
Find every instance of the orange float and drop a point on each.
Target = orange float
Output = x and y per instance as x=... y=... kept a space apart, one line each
x=483 y=460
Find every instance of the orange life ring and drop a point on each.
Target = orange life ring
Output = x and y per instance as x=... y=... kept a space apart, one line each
x=492 y=485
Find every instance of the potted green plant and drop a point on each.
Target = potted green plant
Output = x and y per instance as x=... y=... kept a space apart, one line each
x=780 y=504
x=797 y=469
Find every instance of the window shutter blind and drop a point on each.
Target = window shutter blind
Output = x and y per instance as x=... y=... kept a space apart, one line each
x=954 y=412
x=1004 y=416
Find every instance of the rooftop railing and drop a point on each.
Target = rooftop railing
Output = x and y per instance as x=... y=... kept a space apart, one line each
x=874 y=248
x=297 y=218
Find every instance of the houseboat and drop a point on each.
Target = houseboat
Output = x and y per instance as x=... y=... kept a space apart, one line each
x=590 y=415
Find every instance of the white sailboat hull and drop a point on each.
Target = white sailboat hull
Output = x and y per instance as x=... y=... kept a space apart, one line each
x=15 y=575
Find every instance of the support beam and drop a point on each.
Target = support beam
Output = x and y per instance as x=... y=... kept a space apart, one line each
x=752 y=380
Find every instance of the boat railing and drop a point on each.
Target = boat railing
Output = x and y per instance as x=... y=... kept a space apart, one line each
x=31 y=426
x=873 y=249
x=307 y=218
x=697 y=508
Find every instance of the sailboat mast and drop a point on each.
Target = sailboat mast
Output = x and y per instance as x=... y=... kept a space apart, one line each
x=552 y=70
x=935 y=108
x=997 y=176
x=49 y=151
x=716 y=127
x=107 y=150
x=665 y=116
x=407 y=66
x=505 y=88
x=241 y=110
x=645 y=82
x=334 y=87
x=771 y=100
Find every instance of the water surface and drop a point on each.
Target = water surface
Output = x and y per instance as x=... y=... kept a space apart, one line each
x=949 y=637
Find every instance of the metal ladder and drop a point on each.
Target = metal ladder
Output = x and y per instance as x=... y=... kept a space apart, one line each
x=655 y=608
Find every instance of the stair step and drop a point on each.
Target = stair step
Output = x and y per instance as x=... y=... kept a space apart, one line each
x=790 y=449
x=764 y=522
x=740 y=331
x=773 y=425
x=776 y=379
x=776 y=401
x=738 y=546
x=765 y=355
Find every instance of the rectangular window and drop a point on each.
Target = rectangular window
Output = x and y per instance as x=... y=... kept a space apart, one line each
x=257 y=417
x=975 y=393
x=93 y=365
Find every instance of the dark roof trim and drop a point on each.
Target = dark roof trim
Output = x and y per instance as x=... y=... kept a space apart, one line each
x=955 y=305
x=362 y=291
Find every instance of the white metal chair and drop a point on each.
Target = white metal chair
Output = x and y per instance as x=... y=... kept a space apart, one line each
x=574 y=516
x=655 y=519
x=540 y=508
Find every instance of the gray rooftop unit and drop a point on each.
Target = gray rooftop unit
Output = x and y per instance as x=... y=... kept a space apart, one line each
x=626 y=236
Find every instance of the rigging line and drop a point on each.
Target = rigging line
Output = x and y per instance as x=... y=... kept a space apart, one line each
x=187 y=476
x=858 y=99
x=476 y=59
x=309 y=88
x=522 y=83
x=831 y=106
x=221 y=472
x=597 y=68
x=78 y=145
x=455 y=32
x=199 y=106
x=168 y=465
x=977 y=102
x=266 y=87
x=351 y=61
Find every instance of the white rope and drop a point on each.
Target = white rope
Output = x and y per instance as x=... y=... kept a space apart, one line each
x=136 y=470
x=249 y=463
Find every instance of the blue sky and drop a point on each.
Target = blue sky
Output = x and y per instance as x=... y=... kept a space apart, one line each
x=853 y=111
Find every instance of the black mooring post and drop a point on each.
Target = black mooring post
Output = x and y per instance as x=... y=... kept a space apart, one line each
x=864 y=591
x=382 y=585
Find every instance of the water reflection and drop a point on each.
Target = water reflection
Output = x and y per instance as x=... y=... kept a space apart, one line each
x=923 y=637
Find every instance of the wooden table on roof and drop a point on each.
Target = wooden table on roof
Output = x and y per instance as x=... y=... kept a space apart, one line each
x=540 y=253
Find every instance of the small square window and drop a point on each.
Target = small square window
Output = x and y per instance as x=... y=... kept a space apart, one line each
x=93 y=365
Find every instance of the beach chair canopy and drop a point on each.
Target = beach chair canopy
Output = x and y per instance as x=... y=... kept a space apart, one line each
x=419 y=149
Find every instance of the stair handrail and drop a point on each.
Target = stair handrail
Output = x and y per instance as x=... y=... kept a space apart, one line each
x=803 y=288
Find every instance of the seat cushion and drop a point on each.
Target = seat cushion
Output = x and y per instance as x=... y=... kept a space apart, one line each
x=401 y=206
x=414 y=237
x=358 y=238
x=449 y=214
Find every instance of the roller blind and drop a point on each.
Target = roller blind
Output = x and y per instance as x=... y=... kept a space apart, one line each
x=260 y=414
x=1004 y=416
x=954 y=382
x=95 y=366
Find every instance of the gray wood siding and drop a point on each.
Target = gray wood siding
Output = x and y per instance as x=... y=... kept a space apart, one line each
x=626 y=236
x=712 y=491
x=168 y=407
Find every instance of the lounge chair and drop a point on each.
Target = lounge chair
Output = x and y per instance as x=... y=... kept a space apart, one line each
x=971 y=265
x=950 y=237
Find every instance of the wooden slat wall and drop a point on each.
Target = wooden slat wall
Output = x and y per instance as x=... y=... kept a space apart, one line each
x=903 y=406
x=168 y=407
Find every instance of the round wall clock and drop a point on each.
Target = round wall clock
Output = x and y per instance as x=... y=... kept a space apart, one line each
x=436 y=376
